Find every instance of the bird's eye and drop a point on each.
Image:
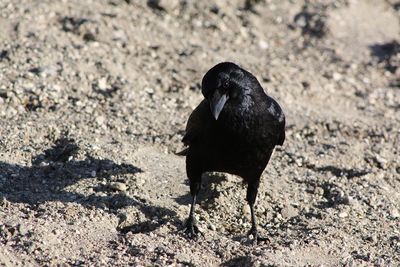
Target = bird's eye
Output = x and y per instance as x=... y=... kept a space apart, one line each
x=233 y=94
x=225 y=85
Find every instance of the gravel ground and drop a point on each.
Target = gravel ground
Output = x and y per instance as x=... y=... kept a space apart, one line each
x=94 y=97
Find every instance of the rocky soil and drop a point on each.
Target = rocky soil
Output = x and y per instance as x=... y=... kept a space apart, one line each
x=94 y=97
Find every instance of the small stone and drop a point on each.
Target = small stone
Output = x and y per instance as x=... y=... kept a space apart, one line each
x=118 y=186
x=337 y=76
x=263 y=45
x=319 y=191
x=56 y=232
x=140 y=182
x=246 y=210
x=93 y=174
x=44 y=164
x=382 y=162
x=168 y=5
x=28 y=86
x=301 y=21
x=102 y=194
x=394 y=213
x=100 y=120
x=373 y=238
x=120 y=35
x=89 y=36
x=380 y=262
x=4 y=202
x=102 y=83
x=22 y=229
x=288 y=212
x=343 y=214
x=49 y=71
x=354 y=203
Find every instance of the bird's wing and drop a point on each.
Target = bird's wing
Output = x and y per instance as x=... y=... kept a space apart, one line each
x=274 y=123
x=281 y=131
x=197 y=124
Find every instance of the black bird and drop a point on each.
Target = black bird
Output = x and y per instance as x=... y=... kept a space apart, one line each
x=233 y=130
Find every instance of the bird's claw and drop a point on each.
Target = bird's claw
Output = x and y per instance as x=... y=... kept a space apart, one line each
x=253 y=235
x=191 y=229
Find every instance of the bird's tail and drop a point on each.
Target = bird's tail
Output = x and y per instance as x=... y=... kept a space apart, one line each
x=183 y=152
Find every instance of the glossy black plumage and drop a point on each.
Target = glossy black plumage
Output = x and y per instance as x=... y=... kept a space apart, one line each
x=234 y=130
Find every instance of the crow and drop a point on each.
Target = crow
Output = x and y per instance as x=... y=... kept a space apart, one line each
x=233 y=130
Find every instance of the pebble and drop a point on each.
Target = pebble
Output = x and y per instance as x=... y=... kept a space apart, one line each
x=169 y=5
x=120 y=35
x=288 y=212
x=212 y=227
x=319 y=191
x=394 y=213
x=246 y=211
x=118 y=186
x=140 y=182
x=102 y=83
x=382 y=162
x=343 y=214
x=4 y=202
x=263 y=45
x=22 y=229
x=337 y=76
x=100 y=120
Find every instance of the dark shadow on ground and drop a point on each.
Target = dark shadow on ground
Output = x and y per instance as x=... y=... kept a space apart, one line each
x=332 y=194
x=338 y=172
x=298 y=229
x=244 y=261
x=55 y=170
x=387 y=53
x=286 y=232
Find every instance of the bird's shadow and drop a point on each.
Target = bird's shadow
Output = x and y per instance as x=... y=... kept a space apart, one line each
x=54 y=173
x=244 y=261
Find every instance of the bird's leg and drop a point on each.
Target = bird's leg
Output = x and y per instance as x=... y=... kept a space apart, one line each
x=253 y=230
x=191 y=229
x=251 y=198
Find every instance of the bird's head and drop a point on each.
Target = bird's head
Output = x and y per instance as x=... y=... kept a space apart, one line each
x=221 y=85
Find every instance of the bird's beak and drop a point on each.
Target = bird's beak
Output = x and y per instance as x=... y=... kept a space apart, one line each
x=217 y=102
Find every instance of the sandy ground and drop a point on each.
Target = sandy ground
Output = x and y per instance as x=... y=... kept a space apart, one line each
x=94 y=97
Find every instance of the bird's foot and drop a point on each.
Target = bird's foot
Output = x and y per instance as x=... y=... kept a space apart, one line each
x=191 y=229
x=253 y=235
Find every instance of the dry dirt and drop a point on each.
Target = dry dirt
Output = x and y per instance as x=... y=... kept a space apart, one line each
x=94 y=97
